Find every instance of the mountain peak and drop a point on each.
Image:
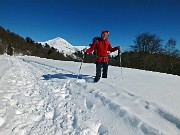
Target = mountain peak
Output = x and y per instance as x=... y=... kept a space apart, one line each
x=58 y=38
x=61 y=45
x=58 y=42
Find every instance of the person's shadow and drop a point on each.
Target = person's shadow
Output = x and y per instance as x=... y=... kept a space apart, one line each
x=62 y=76
x=66 y=76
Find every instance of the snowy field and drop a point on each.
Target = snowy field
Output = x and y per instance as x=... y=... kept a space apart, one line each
x=44 y=97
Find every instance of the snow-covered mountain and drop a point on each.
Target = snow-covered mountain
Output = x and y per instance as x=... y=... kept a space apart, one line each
x=63 y=46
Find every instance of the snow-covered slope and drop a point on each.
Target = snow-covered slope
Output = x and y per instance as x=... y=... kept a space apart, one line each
x=62 y=45
x=44 y=97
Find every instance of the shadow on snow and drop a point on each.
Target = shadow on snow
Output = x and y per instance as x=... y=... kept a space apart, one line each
x=64 y=76
x=87 y=78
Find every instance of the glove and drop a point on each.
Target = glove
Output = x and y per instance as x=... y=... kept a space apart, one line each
x=84 y=50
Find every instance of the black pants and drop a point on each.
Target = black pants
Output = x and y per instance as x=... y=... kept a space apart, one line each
x=99 y=67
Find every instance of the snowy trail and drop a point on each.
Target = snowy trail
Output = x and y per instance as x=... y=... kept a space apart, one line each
x=38 y=98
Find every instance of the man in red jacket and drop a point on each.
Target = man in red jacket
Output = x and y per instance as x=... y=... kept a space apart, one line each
x=103 y=46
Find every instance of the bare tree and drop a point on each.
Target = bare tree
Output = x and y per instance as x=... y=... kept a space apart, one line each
x=170 y=48
x=147 y=43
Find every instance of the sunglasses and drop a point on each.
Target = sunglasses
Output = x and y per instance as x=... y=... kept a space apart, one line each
x=105 y=31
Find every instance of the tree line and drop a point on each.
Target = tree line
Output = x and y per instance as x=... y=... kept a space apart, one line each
x=13 y=44
x=149 y=53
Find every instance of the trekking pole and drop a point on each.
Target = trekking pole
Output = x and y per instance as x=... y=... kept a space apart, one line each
x=81 y=64
x=120 y=61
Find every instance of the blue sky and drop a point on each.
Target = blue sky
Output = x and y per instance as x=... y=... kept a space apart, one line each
x=78 y=21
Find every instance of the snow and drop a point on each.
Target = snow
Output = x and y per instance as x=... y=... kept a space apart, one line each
x=44 y=97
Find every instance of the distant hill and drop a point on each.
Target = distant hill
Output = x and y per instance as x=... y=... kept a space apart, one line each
x=13 y=44
x=63 y=46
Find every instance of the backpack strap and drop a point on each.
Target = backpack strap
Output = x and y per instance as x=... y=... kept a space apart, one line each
x=97 y=43
x=96 y=39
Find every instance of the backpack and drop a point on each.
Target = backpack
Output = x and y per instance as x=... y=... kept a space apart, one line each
x=97 y=43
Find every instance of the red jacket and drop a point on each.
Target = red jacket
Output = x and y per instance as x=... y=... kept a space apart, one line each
x=102 y=49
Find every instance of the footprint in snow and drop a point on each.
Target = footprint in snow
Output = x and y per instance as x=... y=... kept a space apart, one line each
x=89 y=103
x=2 y=120
x=102 y=130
